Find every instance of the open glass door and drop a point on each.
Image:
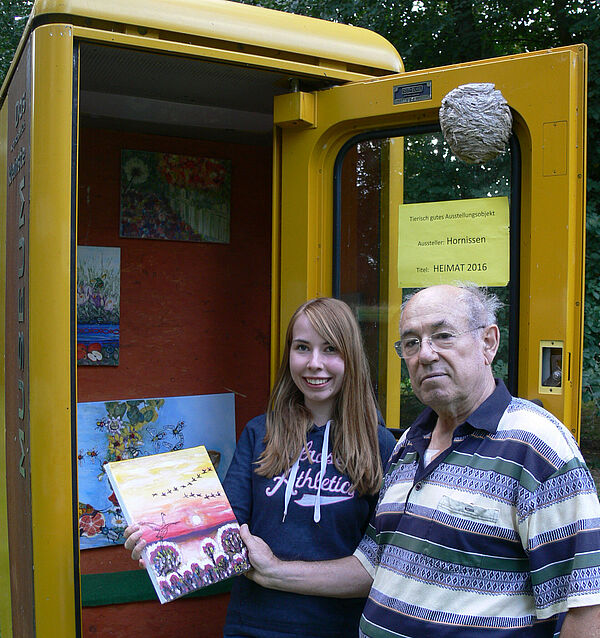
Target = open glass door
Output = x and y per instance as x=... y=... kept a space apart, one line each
x=350 y=174
x=375 y=174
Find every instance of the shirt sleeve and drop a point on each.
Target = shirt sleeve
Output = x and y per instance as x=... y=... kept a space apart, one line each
x=368 y=551
x=559 y=523
x=238 y=481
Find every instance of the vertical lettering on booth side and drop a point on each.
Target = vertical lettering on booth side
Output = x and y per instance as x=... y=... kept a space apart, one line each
x=18 y=458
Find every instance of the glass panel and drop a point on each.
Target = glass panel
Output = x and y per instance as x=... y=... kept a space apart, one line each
x=377 y=175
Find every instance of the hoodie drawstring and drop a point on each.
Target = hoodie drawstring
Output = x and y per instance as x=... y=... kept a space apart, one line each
x=294 y=471
x=324 y=455
x=290 y=486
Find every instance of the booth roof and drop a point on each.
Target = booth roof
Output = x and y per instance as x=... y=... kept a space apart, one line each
x=233 y=22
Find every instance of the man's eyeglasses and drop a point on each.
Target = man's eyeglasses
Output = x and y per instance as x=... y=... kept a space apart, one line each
x=409 y=346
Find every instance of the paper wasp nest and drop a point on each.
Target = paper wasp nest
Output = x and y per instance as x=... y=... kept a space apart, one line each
x=476 y=122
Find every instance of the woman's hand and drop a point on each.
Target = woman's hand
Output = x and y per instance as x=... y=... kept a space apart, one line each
x=135 y=543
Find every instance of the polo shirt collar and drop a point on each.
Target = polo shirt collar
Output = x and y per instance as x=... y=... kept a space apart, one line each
x=486 y=417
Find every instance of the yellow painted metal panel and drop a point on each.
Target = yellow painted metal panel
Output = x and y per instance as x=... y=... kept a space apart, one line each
x=294 y=110
x=234 y=22
x=555 y=148
x=5 y=594
x=390 y=293
x=275 y=256
x=540 y=87
x=50 y=333
x=578 y=163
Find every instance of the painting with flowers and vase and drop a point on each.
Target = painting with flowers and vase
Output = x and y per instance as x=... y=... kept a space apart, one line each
x=175 y=197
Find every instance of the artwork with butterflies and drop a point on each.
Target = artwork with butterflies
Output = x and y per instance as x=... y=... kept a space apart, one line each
x=117 y=430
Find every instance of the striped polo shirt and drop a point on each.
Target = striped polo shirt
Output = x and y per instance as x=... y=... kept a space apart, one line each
x=493 y=539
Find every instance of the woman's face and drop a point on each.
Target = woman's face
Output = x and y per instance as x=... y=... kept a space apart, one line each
x=317 y=368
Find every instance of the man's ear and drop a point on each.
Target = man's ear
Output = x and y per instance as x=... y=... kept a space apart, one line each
x=491 y=341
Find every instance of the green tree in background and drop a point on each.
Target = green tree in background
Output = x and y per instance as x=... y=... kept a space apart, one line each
x=431 y=33
x=13 y=18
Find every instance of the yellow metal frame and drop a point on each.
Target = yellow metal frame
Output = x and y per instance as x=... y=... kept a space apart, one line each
x=389 y=314
x=51 y=402
x=300 y=67
x=49 y=346
x=542 y=88
x=235 y=26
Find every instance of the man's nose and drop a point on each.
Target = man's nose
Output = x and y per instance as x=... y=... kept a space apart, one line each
x=426 y=351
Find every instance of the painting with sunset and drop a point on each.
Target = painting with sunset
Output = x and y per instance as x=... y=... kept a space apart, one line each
x=179 y=503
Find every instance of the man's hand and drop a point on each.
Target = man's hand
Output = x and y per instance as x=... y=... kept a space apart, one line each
x=582 y=621
x=260 y=555
x=340 y=578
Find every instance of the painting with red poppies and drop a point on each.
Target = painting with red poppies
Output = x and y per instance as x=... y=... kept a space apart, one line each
x=98 y=305
x=109 y=431
x=192 y=535
x=175 y=197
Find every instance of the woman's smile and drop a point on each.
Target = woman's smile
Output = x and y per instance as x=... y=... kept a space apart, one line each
x=317 y=368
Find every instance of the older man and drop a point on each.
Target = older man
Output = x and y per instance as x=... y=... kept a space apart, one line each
x=488 y=522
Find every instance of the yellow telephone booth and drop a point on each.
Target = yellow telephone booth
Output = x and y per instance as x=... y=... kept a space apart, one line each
x=328 y=145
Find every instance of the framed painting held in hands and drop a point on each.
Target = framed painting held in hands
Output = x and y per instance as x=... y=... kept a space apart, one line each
x=178 y=502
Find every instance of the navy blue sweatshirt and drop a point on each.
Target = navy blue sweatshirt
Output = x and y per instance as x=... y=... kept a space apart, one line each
x=259 y=501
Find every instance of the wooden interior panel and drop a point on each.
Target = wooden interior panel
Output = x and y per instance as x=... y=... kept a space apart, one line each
x=194 y=320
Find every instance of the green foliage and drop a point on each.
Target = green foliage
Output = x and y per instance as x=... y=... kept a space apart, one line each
x=591 y=351
x=432 y=173
x=13 y=18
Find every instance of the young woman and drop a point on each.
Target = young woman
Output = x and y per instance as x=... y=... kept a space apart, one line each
x=305 y=476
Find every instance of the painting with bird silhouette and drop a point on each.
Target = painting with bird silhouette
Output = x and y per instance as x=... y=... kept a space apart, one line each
x=177 y=500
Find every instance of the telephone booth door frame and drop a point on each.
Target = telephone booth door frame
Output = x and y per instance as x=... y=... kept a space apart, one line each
x=547 y=94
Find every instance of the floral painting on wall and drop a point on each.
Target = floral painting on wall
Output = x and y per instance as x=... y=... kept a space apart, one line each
x=98 y=305
x=117 y=430
x=175 y=197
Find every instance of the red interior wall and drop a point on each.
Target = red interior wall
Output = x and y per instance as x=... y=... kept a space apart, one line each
x=195 y=319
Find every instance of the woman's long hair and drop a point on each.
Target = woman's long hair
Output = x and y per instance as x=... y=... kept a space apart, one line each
x=354 y=433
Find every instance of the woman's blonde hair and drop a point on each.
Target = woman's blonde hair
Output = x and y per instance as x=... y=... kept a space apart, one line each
x=354 y=433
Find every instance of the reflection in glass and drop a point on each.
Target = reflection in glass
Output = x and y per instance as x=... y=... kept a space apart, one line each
x=376 y=176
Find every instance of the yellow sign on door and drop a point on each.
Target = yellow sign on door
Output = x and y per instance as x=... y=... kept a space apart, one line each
x=459 y=240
